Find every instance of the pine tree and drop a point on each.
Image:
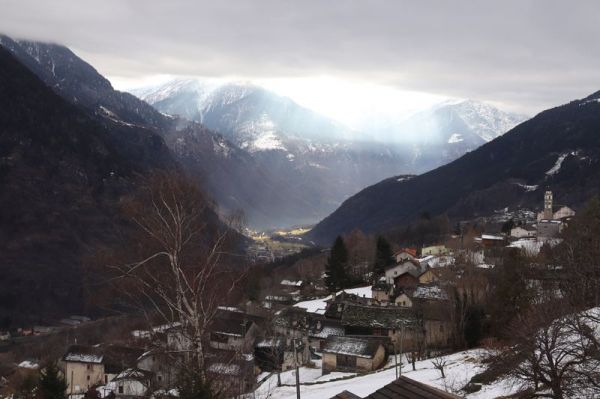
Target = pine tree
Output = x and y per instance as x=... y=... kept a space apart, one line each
x=336 y=274
x=383 y=257
x=52 y=384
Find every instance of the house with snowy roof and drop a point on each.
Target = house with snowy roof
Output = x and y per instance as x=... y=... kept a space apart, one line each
x=352 y=354
x=86 y=366
x=392 y=321
x=83 y=368
x=130 y=383
x=393 y=273
x=523 y=231
x=321 y=329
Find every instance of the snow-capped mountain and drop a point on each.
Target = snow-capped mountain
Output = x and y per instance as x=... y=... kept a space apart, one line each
x=559 y=149
x=314 y=152
x=485 y=120
x=252 y=117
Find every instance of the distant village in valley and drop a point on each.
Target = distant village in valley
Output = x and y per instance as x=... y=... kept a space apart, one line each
x=416 y=303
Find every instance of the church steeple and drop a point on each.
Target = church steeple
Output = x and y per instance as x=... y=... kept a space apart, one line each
x=548 y=213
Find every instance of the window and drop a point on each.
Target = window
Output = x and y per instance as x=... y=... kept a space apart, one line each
x=105 y=379
x=160 y=377
x=345 y=361
x=88 y=377
x=88 y=366
x=120 y=388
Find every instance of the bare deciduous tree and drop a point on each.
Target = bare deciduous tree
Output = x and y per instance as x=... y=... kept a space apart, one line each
x=554 y=351
x=440 y=364
x=175 y=270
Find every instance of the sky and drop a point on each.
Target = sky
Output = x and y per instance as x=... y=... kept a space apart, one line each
x=344 y=56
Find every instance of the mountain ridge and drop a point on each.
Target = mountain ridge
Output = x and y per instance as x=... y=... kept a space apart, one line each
x=498 y=174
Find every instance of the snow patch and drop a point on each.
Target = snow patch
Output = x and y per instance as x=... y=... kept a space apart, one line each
x=556 y=168
x=455 y=138
x=528 y=188
x=318 y=306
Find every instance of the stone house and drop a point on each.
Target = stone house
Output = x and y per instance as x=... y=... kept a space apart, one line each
x=233 y=334
x=381 y=291
x=86 y=366
x=231 y=373
x=395 y=322
x=157 y=362
x=549 y=228
x=130 y=383
x=83 y=368
x=320 y=330
x=403 y=299
x=393 y=272
x=352 y=354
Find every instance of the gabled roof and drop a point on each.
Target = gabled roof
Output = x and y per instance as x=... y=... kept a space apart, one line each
x=359 y=347
x=233 y=327
x=411 y=251
x=391 y=317
x=134 y=374
x=405 y=387
x=84 y=354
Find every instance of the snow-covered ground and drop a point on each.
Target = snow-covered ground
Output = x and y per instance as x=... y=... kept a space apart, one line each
x=461 y=367
x=318 y=305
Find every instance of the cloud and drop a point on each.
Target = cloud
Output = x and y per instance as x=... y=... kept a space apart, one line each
x=525 y=54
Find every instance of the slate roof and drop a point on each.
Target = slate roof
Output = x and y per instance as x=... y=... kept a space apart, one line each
x=84 y=354
x=232 y=326
x=391 y=317
x=345 y=395
x=291 y=317
x=430 y=292
x=326 y=331
x=359 y=347
x=405 y=387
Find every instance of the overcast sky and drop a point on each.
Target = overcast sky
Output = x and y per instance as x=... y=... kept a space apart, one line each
x=523 y=55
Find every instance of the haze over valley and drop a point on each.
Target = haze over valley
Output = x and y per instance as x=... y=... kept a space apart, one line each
x=299 y=199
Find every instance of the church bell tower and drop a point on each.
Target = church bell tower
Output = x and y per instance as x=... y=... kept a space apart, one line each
x=548 y=214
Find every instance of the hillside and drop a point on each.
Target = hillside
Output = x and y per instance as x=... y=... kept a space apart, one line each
x=231 y=175
x=559 y=149
x=62 y=173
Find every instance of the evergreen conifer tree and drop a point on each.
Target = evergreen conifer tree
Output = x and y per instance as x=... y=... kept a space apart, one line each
x=336 y=274
x=52 y=383
x=383 y=257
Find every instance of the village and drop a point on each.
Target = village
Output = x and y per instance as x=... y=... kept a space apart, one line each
x=407 y=314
